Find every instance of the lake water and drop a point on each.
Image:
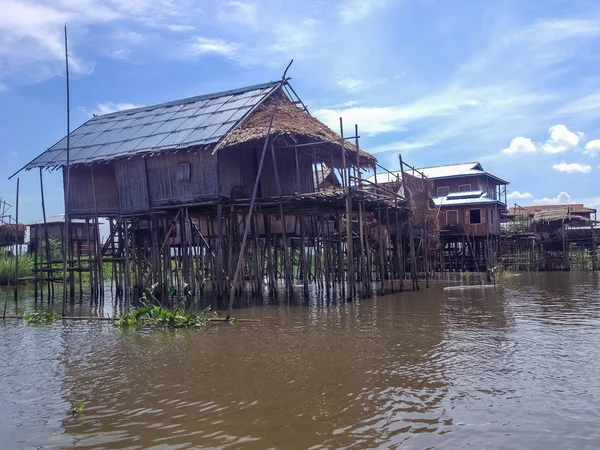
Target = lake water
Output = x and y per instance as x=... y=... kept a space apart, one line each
x=516 y=366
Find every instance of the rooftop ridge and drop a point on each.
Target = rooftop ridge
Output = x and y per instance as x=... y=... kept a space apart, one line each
x=187 y=100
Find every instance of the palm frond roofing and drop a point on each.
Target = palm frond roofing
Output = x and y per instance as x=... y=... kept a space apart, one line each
x=190 y=122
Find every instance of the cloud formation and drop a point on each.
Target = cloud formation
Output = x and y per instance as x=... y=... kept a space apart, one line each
x=561 y=139
x=520 y=144
x=572 y=167
x=563 y=197
x=516 y=195
x=592 y=148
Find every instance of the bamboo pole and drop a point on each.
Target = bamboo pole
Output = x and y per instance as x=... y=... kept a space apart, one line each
x=349 y=240
x=253 y=199
x=17 y=244
x=66 y=187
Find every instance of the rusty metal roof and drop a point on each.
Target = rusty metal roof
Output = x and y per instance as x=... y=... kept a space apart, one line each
x=190 y=122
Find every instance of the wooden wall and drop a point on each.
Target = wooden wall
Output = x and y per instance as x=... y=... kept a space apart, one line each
x=490 y=219
x=479 y=183
x=164 y=185
x=132 y=185
x=136 y=185
x=82 y=192
x=239 y=166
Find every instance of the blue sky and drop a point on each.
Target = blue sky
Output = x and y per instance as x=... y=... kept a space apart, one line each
x=511 y=84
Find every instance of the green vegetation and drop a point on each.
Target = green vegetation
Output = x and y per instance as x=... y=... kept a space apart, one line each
x=40 y=317
x=502 y=274
x=78 y=407
x=155 y=314
x=8 y=266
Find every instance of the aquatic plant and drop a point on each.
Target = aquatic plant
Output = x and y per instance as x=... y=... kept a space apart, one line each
x=502 y=274
x=40 y=317
x=78 y=407
x=8 y=266
x=154 y=314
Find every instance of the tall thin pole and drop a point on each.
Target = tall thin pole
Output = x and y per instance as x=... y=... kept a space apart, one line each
x=66 y=245
x=17 y=244
x=236 y=276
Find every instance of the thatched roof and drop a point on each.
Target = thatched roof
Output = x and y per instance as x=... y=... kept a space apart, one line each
x=291 y=126
x=322 y=175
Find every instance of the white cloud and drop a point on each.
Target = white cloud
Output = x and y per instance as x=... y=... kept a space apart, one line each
x=243 y=13
x=13 y=154
x=572 y=167
x=563 y=197
x=592 y=148
x=110 y=107
x=516 y=195
x=520 y=144
x=203 y=45
x=179 y=28
x=400 y=146
x=129 y=35
x=453 y=102
x=561 y=139
x=354 y=10
x=350 y=84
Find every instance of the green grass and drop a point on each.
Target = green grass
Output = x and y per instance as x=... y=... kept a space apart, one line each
x=40 y=317
x=8 y=266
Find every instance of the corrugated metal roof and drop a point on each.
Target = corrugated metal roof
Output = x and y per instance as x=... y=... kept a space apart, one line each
x=60 y=218
x=461 y=201
x=437 y=172
x=465 y=194
x=190 y=122
x=453 y=170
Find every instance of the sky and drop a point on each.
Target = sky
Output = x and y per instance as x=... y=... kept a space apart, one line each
x=512 y=84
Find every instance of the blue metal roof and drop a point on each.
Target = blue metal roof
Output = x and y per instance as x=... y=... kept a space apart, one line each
x=190 y=122
x=465 y=200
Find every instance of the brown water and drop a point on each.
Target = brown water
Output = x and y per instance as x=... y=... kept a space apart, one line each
x=513 y=367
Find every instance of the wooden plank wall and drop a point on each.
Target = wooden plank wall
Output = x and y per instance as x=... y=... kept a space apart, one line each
x=132 y=185
x=82 y=192
x=239 y=165
x=165 y=187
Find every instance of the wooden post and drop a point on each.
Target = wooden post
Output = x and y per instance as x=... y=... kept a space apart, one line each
x=411 y=238
x=46 y=240
x=594 y=248
x=17 y=244
x=278 y=94
x=348 y=202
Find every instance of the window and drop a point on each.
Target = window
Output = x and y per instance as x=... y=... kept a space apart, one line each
x=474 y=216
x=184 y=171
x=452 y=217
x=442 y=191
x=464 y=187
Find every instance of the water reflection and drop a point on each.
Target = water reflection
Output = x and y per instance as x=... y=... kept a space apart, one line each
x=486 y=368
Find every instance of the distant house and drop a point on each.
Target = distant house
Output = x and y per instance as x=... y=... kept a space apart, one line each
x=82 y=234
x=470 y=200
x=10 y=234
x=564 y=210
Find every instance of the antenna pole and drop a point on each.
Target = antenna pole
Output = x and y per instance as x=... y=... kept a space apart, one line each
x=67 y=237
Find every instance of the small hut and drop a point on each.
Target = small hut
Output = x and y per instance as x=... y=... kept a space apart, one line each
x=50 y=232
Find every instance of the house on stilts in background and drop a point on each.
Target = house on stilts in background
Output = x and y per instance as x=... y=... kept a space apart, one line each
x=550 y=237
x=471 y=203
x=176 y=182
